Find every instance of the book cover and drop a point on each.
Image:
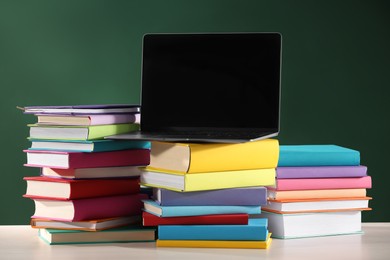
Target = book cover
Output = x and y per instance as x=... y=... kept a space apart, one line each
x=256 y=229
x=323 y=183
x=91 y=173
x=218 y=219
x=87 y=146
x=316 y=194
x=89 y=208
x=57 y=188
x=126 y=234
x=176 y=211
x=80 y=133
x=87 y=225
x=317 y=155
x=208 y=180
x=82 y=109
x=84 y=120
x=216 y=243
x=308 y=172
x=208 y=157
x=66 y=160
x=254 y=196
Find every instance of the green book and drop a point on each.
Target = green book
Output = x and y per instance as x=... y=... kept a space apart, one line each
x=80 y=133
x=116 y=235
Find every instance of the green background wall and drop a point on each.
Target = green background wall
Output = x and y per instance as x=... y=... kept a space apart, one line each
x=335 y=83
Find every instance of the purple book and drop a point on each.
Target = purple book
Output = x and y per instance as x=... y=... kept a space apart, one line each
x=82 y=109
x=251 y=196
x=320 y=172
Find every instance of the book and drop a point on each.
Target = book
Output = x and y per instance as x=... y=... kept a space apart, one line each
x=90 y=173
x=116 y=235
x=57 y=188
x=154 y=208
x=316 y=194
x=307 y=172
x=84 y=120
x=87 y=225
x=80 y=133
x=317 y=205
x=323 y=183
x=256 y=229
x=66 y=160
x=234 y=196
x=88 y=145
x=208 y=180
x=216 y=243
x=221 y=219
x=286 y=226
x=89 y=208
x=212 y=157
x=317 y=155
x=82 y=109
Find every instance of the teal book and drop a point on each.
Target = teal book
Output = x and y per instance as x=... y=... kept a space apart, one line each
x=255 y=230
x=154 y=208
x=317 y=155
x=115 y=235
x=87 y=146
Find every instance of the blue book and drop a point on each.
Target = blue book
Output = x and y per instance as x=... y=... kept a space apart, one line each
x=87 y=146
x=154 y=208
x=255 y=230
x=317 y=155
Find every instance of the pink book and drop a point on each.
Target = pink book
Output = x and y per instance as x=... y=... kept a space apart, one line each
x=322 y=183
x=99 y=119
x=66 y=160
x=91 y=208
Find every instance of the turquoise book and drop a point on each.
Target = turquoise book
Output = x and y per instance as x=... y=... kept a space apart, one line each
x=255 y=230
x=133 y=233
x=87 y=146
x=317 y=155
x=154 y=208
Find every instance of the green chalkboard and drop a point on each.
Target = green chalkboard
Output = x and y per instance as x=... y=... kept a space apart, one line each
x=335 y=86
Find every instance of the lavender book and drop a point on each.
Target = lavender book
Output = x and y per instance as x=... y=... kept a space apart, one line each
x=321 y=172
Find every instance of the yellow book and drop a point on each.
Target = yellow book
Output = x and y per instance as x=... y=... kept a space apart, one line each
x=208 y=157
x=207 y=180
x=215 y=243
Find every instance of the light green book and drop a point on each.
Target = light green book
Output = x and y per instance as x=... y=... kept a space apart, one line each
x=80 y=133
x=115 y=235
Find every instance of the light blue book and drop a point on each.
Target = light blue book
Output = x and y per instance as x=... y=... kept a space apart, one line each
x=87 y=146
x=255 y=230
x=176 y=211
x=317 y=155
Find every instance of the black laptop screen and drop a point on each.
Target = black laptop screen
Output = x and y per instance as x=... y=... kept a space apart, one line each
x=211 y=81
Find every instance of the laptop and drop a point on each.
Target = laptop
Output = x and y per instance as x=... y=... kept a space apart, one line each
x=209 y=87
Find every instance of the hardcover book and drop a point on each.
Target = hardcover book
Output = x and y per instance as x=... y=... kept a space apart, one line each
x=66 y=160
x=316 y=194
x=211 y=157
x=317 y=155
x=208 y=180
x=84 y=120
x=309 y=172
x=176 y=211
x=116 y=235
x=217 y=219
x=82 y=109
x=56 y=188
x=91 y=173
x=235 y=196
x=256 y=229
x=89 y=208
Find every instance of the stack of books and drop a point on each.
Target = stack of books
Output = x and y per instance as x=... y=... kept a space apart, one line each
x=210 y=195
x=88 y=190
x=320 y=190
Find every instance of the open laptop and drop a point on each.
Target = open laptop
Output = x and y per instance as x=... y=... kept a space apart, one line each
x=209 y=87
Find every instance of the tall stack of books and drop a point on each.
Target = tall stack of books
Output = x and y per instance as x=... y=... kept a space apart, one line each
x=320 y=190
x=208 y=194
x=86 y=183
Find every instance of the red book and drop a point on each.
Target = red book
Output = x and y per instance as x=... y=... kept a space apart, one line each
x=90 y=208
x=66 y=160
x=222 y=219
x=322 y=183
x=56 y=188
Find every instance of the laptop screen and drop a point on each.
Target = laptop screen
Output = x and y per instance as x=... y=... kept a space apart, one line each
x=211 y=81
